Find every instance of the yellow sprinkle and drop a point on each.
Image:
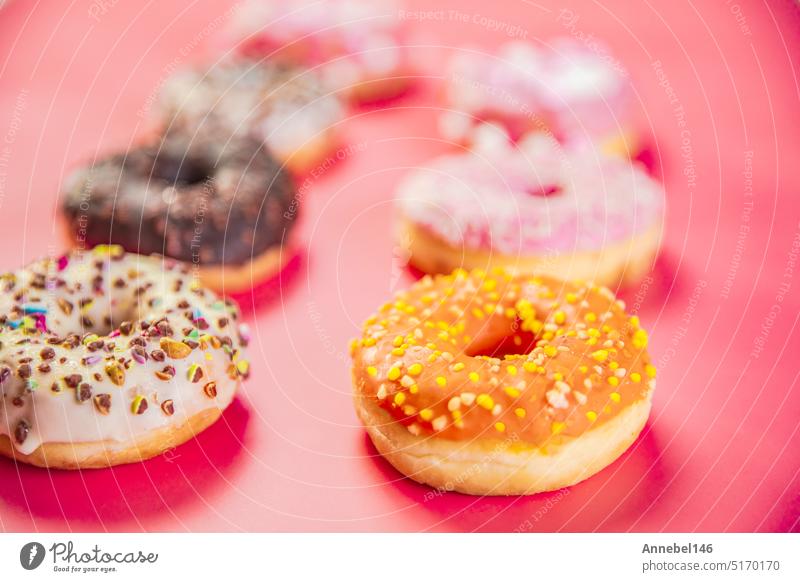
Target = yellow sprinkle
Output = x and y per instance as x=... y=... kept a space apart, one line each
x=510 y=313
x=476 y=311
x=430 y=346
x=550 y=351
x=441 y=381
x=591 y=415
x=571 y=298
x=557 y=427
x=500 y=427
x=415 y=369
x=398 y=341
x=489 y=284
x=613 y=380
x=399 y=398
x=593 y=332
x=489 y=308
x=583 y=369
x=458 y=367
x=640 y=339
x=650 y=369
x=591 y=317
x=615 y=396
x=372 y=371
x=414 y=389
x=426 y=414
x=398 y=352
x=394 y=373
x=600 y=355
x=369 y=342
x=613 y=365
x=635 y=321
x=473 y=376
x=529 y=366
x=636 y=377
x=559 y=317
x=520 y=412
x=511 y=370
x=485 y=401
x=511 y=391
x=558 y=376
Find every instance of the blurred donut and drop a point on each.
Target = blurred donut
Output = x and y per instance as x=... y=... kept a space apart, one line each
x=288 y=108
x=226 y=207
x=533 y=207
x=354 y=44
x=580 y=96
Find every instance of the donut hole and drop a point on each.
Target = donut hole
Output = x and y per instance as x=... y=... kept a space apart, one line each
x=545 y=191
x=181 y=171
x=518 y=342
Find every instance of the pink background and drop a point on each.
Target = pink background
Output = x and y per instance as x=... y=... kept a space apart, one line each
x=721 y=449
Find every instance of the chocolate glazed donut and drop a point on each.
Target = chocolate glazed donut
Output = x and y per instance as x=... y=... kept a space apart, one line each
x=227 y=207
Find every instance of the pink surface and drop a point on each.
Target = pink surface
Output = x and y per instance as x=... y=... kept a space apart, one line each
x=721 y=450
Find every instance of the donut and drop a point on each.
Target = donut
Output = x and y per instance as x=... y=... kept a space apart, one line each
x=501 y=384
x=580 y=96
x=532 y=207
x=289 y=108
x=354 y=44
x=228 y=208
x=110 y=358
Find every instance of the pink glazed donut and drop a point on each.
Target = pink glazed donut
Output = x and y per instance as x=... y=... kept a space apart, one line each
x=353 y=44
x=532 y=207
x=565 y=88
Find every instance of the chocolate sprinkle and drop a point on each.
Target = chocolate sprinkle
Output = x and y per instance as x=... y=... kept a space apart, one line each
x=168 y=407
x=21 y=431
x=84 y=392
x=102 y=402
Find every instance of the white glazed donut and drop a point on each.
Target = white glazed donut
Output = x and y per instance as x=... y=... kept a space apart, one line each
x=532 y=207
x=581 y=96
x=110 y=358
x=356 y=45
x=288 y=108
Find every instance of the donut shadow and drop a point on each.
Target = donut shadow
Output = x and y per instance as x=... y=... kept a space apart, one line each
x=663 y=286
x=410 y=90
x=268 y=292
x=610 y=500
x=123 y=497
x=648 y=157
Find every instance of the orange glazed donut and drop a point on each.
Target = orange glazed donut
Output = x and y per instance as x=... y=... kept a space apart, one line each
x=493 y=384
